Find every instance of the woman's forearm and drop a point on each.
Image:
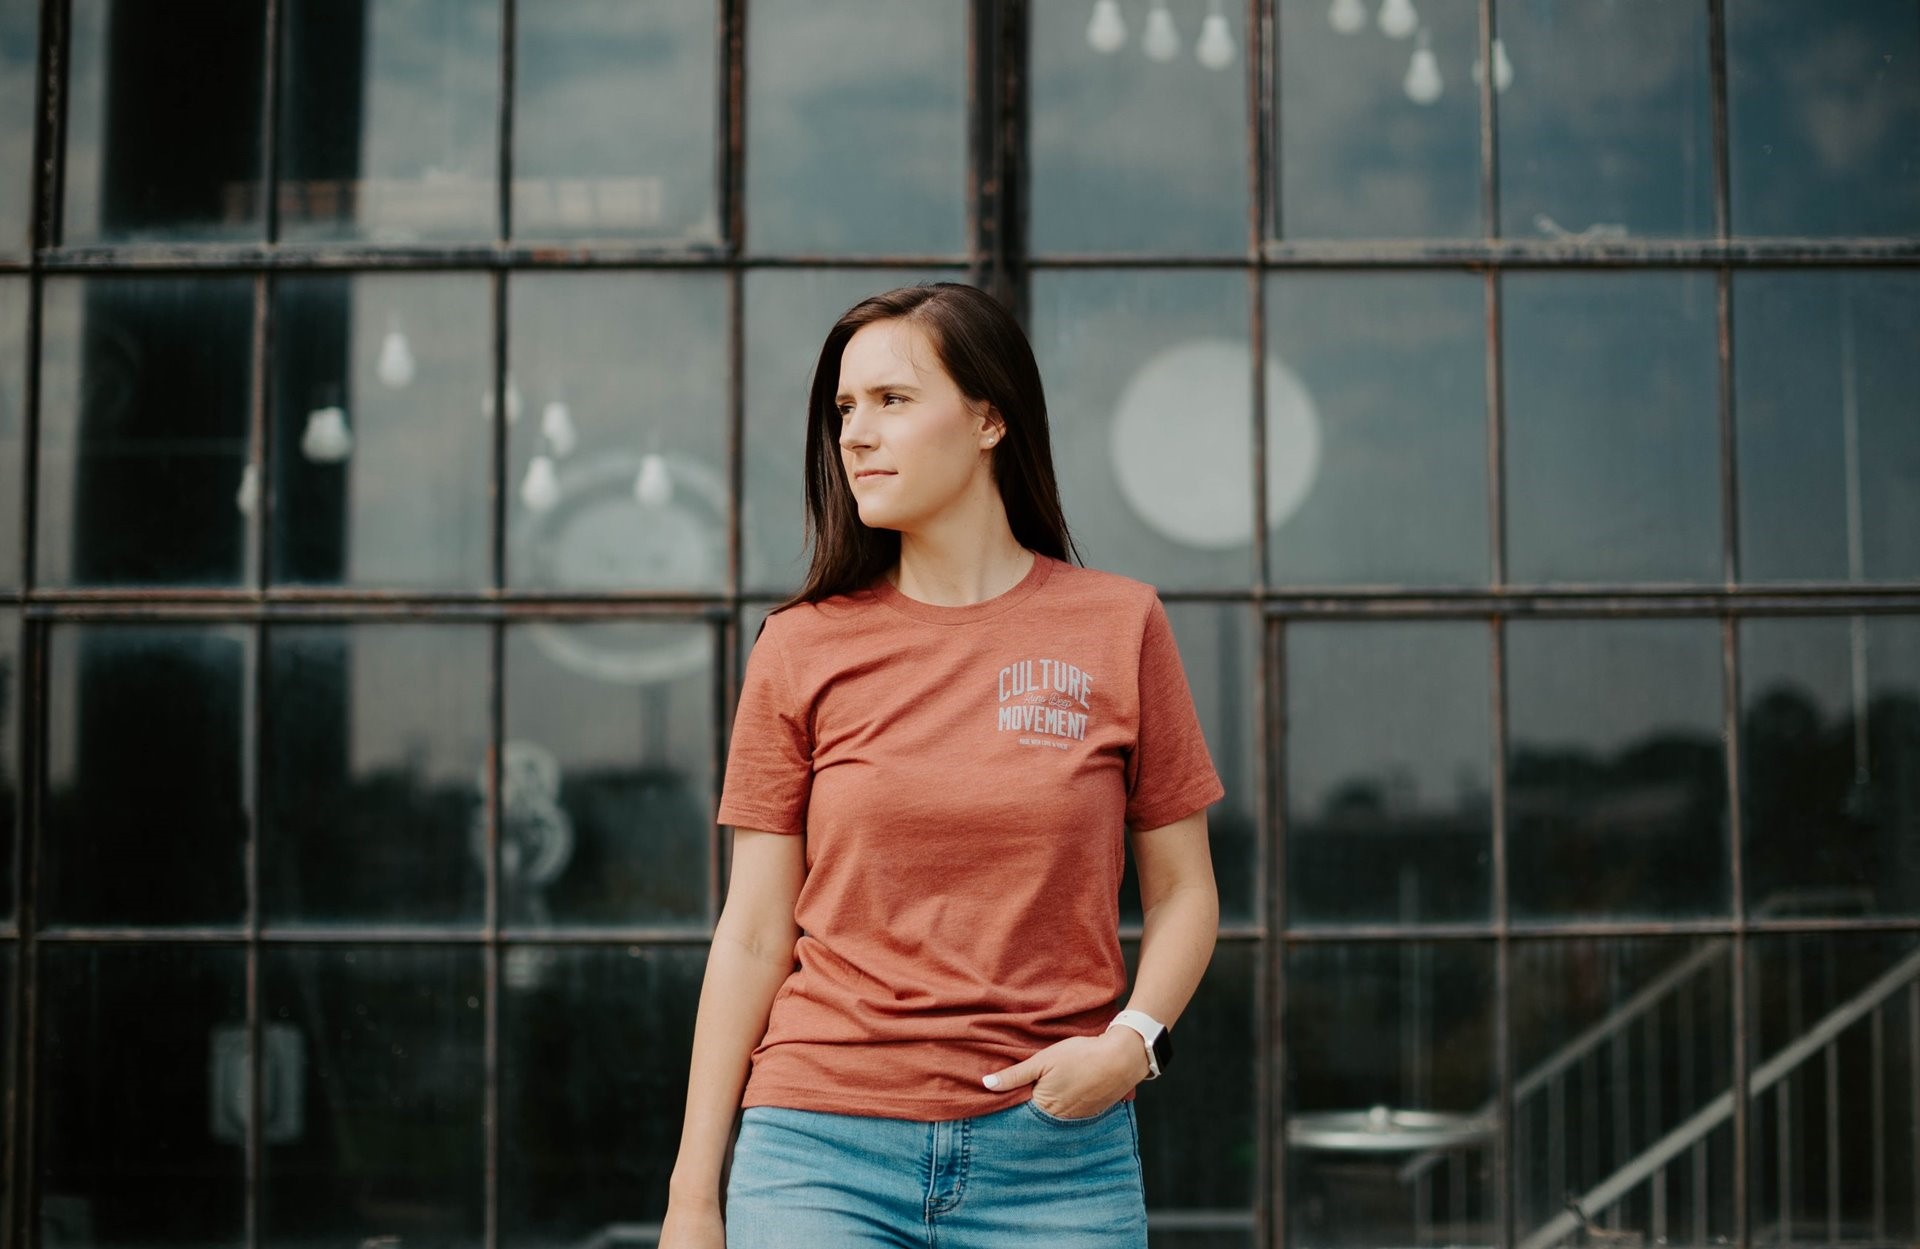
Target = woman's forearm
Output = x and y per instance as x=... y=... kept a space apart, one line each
x=1177 y=936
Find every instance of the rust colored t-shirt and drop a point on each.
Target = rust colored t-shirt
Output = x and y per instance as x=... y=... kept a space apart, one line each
x=964 y=777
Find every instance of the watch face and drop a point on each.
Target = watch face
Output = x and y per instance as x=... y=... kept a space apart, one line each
x=1163 y=1048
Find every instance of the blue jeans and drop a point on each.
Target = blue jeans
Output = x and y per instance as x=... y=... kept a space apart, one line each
x=1019 y=1177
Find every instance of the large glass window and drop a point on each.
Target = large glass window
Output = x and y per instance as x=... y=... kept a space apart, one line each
x=19 y=51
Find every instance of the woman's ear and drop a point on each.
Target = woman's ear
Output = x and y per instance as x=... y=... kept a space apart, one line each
x=993 y=427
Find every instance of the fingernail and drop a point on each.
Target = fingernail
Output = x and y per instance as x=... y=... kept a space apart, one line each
x=992 y=1082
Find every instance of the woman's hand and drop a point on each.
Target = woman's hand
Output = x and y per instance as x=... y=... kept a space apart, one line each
x=1081 y=1076
x=691 y=1225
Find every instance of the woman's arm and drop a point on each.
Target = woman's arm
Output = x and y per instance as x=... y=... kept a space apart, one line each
x=752 y=955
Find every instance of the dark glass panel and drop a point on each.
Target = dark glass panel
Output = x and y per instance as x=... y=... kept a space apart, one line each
x=589 y=1134
x=13 y=426
x=12 y=696
x=19 y=57
x=860 y=161
x=615 y=120
x=1825 y=374
x=1616 y=770
x=1390 y=1094
x=1167 y=501
x=386 y=1145
x=618 y=468
x=159 y=148
x=375 y=763
x=1830 y=766
x=1376 y=389
x=144 y=432
x=607 y=773
x=1389 y=762
x=141 y=1096
x=382 y=444
x=148 y=769
x=1622 y=1053
x=1613 y=469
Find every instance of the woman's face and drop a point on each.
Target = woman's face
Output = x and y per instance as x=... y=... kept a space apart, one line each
x=911 y=443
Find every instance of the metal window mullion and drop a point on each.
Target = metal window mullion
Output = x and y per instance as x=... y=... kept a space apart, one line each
x=1720 y=107
x=1730 y=703
x=1269 y=1178
x=1489 y=126
x=1270 y=1074
x=491 y=951
x=33 y=645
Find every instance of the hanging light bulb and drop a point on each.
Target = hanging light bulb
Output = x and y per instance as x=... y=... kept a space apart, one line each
x=653 y=487
x=396 y=357
x=1422 y=83
x=1347 y=16
x=1502 y=67
x=1107 y=31
x=247 y=497
x=556 y=422
x=1160 y=40
x=1215 y=48
x=326 y=439
x=1397 y=19
x=540 y=488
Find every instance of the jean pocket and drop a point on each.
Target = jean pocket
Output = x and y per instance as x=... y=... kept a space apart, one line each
x=1082 y=1121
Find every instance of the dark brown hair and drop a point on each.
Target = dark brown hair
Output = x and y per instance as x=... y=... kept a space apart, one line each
x=984 y=351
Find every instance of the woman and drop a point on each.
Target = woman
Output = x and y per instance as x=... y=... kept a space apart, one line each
x=913 y=984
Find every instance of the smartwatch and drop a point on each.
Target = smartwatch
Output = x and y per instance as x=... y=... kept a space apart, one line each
x=1158 y=1036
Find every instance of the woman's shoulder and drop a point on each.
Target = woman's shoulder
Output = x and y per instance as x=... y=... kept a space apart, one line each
x=1096 y=589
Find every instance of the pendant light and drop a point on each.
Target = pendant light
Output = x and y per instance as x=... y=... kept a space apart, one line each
x=1160 y=41
x=1423 y=84
x=1397 y=19
x=1215 y=47
x=1107 y=30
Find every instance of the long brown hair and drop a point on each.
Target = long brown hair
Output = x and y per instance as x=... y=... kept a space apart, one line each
x=984 y=351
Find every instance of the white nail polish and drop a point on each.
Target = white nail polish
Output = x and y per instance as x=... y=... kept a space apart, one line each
x=992 y=1082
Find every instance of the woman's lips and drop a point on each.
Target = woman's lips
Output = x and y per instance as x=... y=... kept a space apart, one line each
x=872 y=472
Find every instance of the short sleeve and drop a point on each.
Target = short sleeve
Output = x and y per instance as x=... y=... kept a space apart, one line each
x=770 y=756
x=1169 y=774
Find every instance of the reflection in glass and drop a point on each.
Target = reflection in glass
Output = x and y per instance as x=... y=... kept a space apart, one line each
x=19 y=57
x=388 y=1147
x=1169 y=502
x=1377 y=390
x=1616 y=769
x=1830 y=775
x=12 y=668
x=1388 y=773
x=13 y=425
x=1834 y=1030
x=375 y=752
x=149 y=766
x=1622 y=1052
x=143 y=431
x=1390 y=1081
x=787 y=316
x=614 y=120
x=141 y=1095
x=388 y=120
x=1613 y=472
x=606 y=773
x=156 y=151
x=588 y=1134
x=857 y=121
x=1376 y=139
x=1825 y=374
x=1823 y=116
x=1130 y=154
x=382 y=445
x=1605 y=125
x=617 y=468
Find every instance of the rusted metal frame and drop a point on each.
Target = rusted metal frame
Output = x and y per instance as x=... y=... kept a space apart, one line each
x=1720 y=926
x=24 y=1092
x=476 y=934
x=1575 y=604
x=1270 y=1075
x=732 y=17
x=531 y=608
x=1269 y=1174
x=996 y=165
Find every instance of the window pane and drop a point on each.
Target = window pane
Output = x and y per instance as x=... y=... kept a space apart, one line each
x=787 y=315
x=1390 y=1094
x=621 y=484
x=857 y=125
x=1619 y=1045
x=1825 y=374
x=1169 y=502
x=13 y=426
x=157 y=150
x=1834 y=1028
x=1613 y=472
x=1376 y=140
x=143 y=431
x=12 y=695
x=1823 y=116
x=1830 y=776
x=1130 y=153
x=376 y=741
x=1377 y=390
x=1616 y=769
x=149 y=763
x=614 y=125
x=19 y=55
x=1388 y=773
x=1605 y=126
x=607 y=774
x=589 y=1135
x=141 y=1142
x=382 y=446
x=388 y=1144
x=388 y=121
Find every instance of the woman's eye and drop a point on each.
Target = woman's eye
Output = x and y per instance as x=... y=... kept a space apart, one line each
x=901 y=398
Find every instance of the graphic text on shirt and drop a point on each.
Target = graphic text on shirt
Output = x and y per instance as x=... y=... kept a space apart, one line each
x=1038 y=697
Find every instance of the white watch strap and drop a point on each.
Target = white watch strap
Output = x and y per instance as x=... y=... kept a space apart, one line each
x=1149 y=1029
